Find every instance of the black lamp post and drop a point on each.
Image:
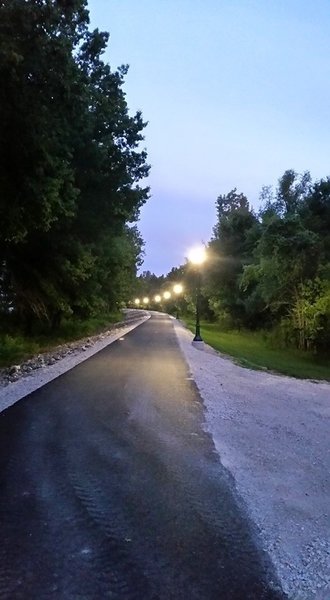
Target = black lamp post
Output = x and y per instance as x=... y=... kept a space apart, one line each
x=197 y=257
x=198 y=337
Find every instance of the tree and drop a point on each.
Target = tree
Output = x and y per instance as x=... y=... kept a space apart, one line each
x=69 y=179
x=149 y=284
x=315 y=215
x=290 y=274
x=291 y=192
x=234 y=238
x=38 y=99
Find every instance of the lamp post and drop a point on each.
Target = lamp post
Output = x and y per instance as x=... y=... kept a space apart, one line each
x=197 y=257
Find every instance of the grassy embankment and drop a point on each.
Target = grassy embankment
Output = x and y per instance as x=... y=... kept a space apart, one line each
x=15 y=348
x=253 y=350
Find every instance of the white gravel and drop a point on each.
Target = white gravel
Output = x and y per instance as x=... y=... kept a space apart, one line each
x=272 y=433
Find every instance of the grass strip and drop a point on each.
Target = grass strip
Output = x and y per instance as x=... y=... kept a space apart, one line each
x=251 y=349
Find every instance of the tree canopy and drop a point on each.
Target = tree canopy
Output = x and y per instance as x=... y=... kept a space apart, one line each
x=272 y=269
x=70 y=166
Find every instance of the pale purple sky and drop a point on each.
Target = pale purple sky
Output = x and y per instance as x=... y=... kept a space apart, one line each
x=235 y=92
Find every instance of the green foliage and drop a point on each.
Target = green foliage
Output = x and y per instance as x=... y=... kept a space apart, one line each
x=70 y=166
x=272 y=270
x=14 y=348
x=256 y=350
x=37 y=102
x=229 y=251
x=310 y=315
x=290 y=274
x=291 y=192
x=148 y=284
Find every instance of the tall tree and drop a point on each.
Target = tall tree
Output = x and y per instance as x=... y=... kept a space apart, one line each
x=230 y=249
x=70 y=158
x=39 y=97
x=289 y=279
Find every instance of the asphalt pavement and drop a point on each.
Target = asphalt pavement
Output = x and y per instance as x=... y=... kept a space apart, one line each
x=111 y=488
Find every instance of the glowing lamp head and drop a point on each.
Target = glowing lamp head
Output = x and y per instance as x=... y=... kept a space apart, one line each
x=137 y=301
x=145 y=300
x=158 y=298
x=167 y=295
x=178 y=288
x=197 y=256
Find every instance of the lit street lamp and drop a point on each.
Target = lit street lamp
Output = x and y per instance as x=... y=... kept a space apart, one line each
x=137 y=301
x=197 y=257
x=167 y=295
x=157 y=298
x=177 y=289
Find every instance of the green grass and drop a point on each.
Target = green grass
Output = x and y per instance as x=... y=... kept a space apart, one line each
x=250 y=349
x=15 y=347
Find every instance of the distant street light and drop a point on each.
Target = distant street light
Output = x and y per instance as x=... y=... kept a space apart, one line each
x=177 y=289
x=137 y=301
x=145 y=300
x=157 y=298
x=167 y=295
x=197 y=256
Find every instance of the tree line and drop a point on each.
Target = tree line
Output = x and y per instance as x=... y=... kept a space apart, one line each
x=71 y=167
x=71 y=164
x=270 y=269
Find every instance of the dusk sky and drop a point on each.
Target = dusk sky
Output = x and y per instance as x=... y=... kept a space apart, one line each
x=235 y=92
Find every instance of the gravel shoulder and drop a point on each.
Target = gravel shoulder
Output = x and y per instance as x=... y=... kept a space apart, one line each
x=272 y=434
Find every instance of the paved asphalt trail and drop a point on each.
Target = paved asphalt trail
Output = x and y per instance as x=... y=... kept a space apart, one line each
x=111 y=489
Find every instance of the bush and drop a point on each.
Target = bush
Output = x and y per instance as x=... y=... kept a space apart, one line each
x=16 y=348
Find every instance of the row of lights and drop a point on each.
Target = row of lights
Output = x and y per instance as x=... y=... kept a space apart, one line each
x=177 y=289
x=197 y=256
